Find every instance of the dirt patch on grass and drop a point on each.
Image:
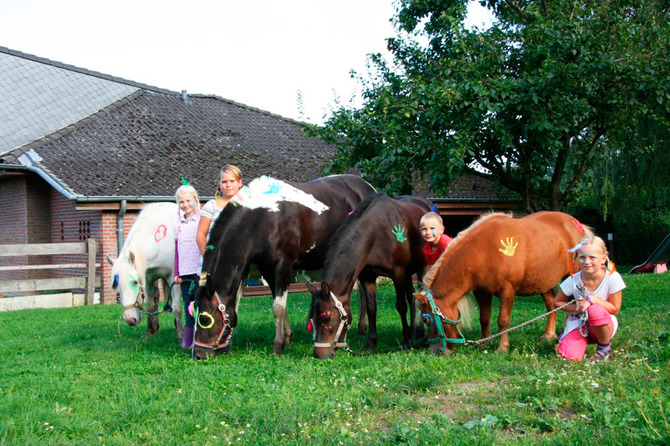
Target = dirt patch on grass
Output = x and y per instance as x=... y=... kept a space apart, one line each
x=463 y=399
x=459 y=402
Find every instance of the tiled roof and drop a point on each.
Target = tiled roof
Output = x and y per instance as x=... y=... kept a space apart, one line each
x=143 y=143
x=475 y=188
x=40 y=96
x=99 y=137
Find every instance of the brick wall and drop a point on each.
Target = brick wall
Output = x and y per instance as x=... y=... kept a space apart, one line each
x=109 y=248
x=36 y=213
x=69 y=225
x=13 y=230
x=38 y=203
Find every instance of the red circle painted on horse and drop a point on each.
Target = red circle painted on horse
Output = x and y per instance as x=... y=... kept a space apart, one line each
x=160 y=233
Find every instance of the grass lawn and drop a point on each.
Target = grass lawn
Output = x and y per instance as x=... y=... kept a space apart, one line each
x=81 y=376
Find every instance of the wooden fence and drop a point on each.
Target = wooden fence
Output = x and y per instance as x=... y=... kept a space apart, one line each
x=264 y=290
x=87 y=282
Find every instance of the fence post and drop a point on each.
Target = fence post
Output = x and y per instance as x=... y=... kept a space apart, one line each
x=91 y=249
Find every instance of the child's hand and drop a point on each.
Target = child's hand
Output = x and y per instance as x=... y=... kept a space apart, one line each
x=177 y=280
x=582 y=304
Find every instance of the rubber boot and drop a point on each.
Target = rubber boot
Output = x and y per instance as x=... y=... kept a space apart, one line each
x=188 y=337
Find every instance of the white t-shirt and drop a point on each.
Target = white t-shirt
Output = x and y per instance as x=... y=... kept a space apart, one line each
x=612 y=282
x=210 y=210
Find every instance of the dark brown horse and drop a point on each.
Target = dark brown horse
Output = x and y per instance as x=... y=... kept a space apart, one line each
x=502 y=256
x=381 y=238
x=277 y=226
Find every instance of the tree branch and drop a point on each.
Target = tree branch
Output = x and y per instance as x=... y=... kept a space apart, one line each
x=584 y=164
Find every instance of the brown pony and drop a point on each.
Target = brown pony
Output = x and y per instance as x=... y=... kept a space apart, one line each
x=502 y=256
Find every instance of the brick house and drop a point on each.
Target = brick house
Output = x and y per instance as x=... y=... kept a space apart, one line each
x=81 y=152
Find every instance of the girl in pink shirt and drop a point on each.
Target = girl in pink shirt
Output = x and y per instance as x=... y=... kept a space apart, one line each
x=187 y=254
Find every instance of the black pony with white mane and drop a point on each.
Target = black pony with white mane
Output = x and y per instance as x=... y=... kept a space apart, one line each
x=277 y=226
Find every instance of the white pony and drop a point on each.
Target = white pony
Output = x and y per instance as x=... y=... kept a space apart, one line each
x=148 y=255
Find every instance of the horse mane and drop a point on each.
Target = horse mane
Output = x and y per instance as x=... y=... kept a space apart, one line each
x=131 y=238
x=220 y=226
x=356 y=214
x=219 y=230
x=429 y=278
x=133 y=242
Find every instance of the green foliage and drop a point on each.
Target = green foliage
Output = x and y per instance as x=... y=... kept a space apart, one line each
x=629 y=195
x=536 y=100
x=81 y=376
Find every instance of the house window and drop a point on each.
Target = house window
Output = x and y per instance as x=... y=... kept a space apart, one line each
x=84 y=230
x=62 y=231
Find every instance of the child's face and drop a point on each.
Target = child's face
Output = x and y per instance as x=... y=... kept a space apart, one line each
x=431 y=231
x=229 y=185
x=591 y=258
x=187 y=204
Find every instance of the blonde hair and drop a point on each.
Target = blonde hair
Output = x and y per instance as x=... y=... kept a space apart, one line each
x=600 y=243
x=187 y=190
x=231 y=170
x=431 y=216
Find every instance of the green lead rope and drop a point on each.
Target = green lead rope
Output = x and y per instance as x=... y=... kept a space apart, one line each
x=167 y=307
x=440 y=329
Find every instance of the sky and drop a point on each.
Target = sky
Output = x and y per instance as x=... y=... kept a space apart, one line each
x=263 y=53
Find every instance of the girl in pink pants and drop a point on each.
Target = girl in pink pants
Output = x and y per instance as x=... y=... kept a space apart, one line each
x=598 y=290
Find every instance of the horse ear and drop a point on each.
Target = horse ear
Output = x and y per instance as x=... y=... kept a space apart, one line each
x=131 y=255
x=209 y=285
x=110 y=260
x=421 y=297
x=310 y=287
x=325 y=288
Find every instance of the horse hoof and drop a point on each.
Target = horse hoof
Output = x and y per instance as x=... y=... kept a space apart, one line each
x=152 y=325
x=278 y=349
x=548 y=338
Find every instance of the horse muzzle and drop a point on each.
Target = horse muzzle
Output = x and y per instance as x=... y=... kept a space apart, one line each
x=200 y=353
x=132 y=316
x=324 y=352
x=437 y=349
x=203 y=353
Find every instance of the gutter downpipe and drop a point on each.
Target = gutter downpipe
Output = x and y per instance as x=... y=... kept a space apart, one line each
x=119 y=226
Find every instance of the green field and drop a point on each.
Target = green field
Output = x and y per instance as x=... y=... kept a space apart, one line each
x=80 y=376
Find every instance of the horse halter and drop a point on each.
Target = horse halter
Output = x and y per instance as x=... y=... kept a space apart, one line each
x=440 y=328
x=220 y=341
x=344 y=321
x=139 y=292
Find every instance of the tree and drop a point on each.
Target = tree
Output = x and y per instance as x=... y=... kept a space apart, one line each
x=533 y=102
x=636 y=191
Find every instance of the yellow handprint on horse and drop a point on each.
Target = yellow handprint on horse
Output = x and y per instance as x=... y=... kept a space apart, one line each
x=509 y=247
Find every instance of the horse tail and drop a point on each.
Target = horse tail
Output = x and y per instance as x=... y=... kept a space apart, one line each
x=466 y=307
x=588 y=231
x=584 y=230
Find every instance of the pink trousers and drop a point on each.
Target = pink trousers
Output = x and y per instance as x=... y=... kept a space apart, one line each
x=572 y=346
